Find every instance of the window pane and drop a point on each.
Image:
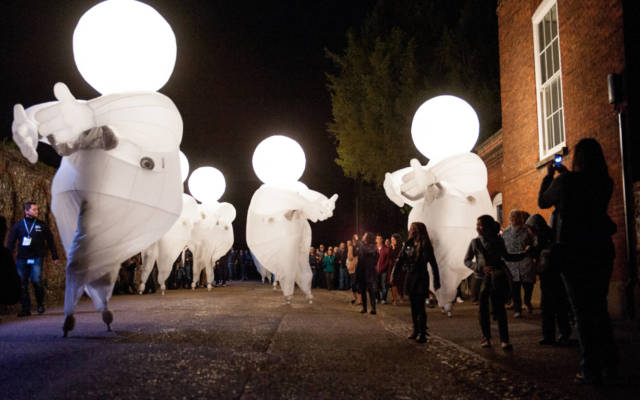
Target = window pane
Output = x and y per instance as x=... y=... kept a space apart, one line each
x=554 y=22
x=560 y=126
x=547 y=28
x=543 y=68
x=540 y=37
x=556 y=128
x=556 y=56
x=547 y=98
x=549 y=133
x=554 y=97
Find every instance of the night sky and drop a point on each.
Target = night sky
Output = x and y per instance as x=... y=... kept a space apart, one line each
x=245 y=70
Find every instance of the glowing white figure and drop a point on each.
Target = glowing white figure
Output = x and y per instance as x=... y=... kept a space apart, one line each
x=118 y=186
x=450 y=192
x=212 y=234
x=278 y=233
x=265 y=274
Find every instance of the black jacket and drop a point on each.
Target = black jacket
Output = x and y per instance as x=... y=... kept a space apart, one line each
x=414 y=260
x=367 y=260
x=40 y=235
x=489 y=253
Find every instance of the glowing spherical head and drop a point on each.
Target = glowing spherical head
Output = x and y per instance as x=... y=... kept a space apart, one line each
x=184 y=166
x=124 y=46
x=279 y=160
x=444 y=126
x=207 y=184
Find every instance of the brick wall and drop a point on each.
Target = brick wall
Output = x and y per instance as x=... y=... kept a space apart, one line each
x=591 y=46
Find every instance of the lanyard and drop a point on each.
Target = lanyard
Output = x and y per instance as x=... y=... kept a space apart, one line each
x=24 y=221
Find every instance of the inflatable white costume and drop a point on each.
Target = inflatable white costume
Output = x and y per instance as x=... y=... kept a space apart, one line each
x=165 y=251
x=450 y=192
x=278 y=233
x=118 y=186
x=212 y=234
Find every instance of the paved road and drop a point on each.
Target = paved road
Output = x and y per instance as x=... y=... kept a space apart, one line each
x=243 y=342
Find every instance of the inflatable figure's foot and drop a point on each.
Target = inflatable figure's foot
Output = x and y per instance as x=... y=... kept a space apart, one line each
x=310 y=301
x=107 y=317
x=287 y=299
x=141 y=288
x=69 y=324
x=193 y=286
x=209 y=287
x=163 y=292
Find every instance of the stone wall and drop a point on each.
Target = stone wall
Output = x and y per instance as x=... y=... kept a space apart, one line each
x=21 y=181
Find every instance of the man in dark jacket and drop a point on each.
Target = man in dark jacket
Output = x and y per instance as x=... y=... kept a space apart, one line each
x=31 y=234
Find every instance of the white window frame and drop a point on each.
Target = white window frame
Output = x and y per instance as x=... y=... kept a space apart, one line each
x=537 y=17
x=497 y=202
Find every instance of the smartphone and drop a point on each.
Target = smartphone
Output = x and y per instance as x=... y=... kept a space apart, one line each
x=557 y=160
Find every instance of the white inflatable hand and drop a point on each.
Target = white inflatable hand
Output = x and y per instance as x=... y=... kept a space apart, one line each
x=327 y=206
x=66 y=119
x=390 y=190
x=25 y=133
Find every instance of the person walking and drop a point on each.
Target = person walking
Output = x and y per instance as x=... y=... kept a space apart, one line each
x=416 y=253
x=488 y=250
x=32 y=236
x=583 y=240
x=366 y=271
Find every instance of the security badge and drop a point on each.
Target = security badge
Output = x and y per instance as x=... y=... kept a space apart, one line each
x=26 y=241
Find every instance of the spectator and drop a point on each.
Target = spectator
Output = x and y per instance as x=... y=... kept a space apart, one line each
x=231 y=260
x=382 y=268
x=32 y=235
x=553 y=298
x=583 y=238
x=517 y=238
x=488 y=250
x=366 y=271
x=313 y=263
x=341 y=263
x=352 y=261
x=328 y=265
x=397 y=275
x=416 y=253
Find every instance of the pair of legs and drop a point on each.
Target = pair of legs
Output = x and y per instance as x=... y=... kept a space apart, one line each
x=517 y=298
x=489 y=297
x=368 y=287
x=383 y=288
x=418 y=314
x=30 y=270
x=328 y=277
x=343 y=279
x=555 y=307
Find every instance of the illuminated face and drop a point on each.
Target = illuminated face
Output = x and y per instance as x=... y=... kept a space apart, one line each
x=444 y=126
x=207 y=184
x=32 y=211
x=279 y=160
x=124 y=46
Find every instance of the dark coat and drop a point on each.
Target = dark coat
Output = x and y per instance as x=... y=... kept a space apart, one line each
x=367 y=261
x=413 y=259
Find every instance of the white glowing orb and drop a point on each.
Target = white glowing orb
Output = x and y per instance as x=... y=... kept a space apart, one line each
x=184 y=166
x=207 y=184
x=444 y=126
x=124 y=46
x=279 y=160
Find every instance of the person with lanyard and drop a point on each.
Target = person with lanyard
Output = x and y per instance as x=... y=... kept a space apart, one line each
x=31 y=235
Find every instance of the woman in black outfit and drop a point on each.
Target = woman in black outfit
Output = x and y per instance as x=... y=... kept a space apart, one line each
x=489 y=251
x=414 y=256
x=583 y=236
x=366 y=271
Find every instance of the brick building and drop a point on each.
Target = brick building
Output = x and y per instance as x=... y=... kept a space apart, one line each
x=555 y=56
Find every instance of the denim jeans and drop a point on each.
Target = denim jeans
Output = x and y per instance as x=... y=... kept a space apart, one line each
x=382 y=286
x=344 y=279
x=31 y=272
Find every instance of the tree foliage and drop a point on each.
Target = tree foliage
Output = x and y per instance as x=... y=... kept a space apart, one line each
x=406 y=52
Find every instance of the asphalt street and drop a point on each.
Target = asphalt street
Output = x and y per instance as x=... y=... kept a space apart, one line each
x=243 y=342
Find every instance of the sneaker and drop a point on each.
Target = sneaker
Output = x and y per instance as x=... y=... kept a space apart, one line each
x=24 y=313
x=517 y=315
x=422 y=338
x=373 y=312
x=40 y=309
x=485 y=342
x=383 y=302
x=413 y=336
x=459 y=300
x=363 y=311
x=506 y=346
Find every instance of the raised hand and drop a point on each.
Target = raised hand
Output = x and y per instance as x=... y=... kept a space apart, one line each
x=25 y=133
x=63 y=121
